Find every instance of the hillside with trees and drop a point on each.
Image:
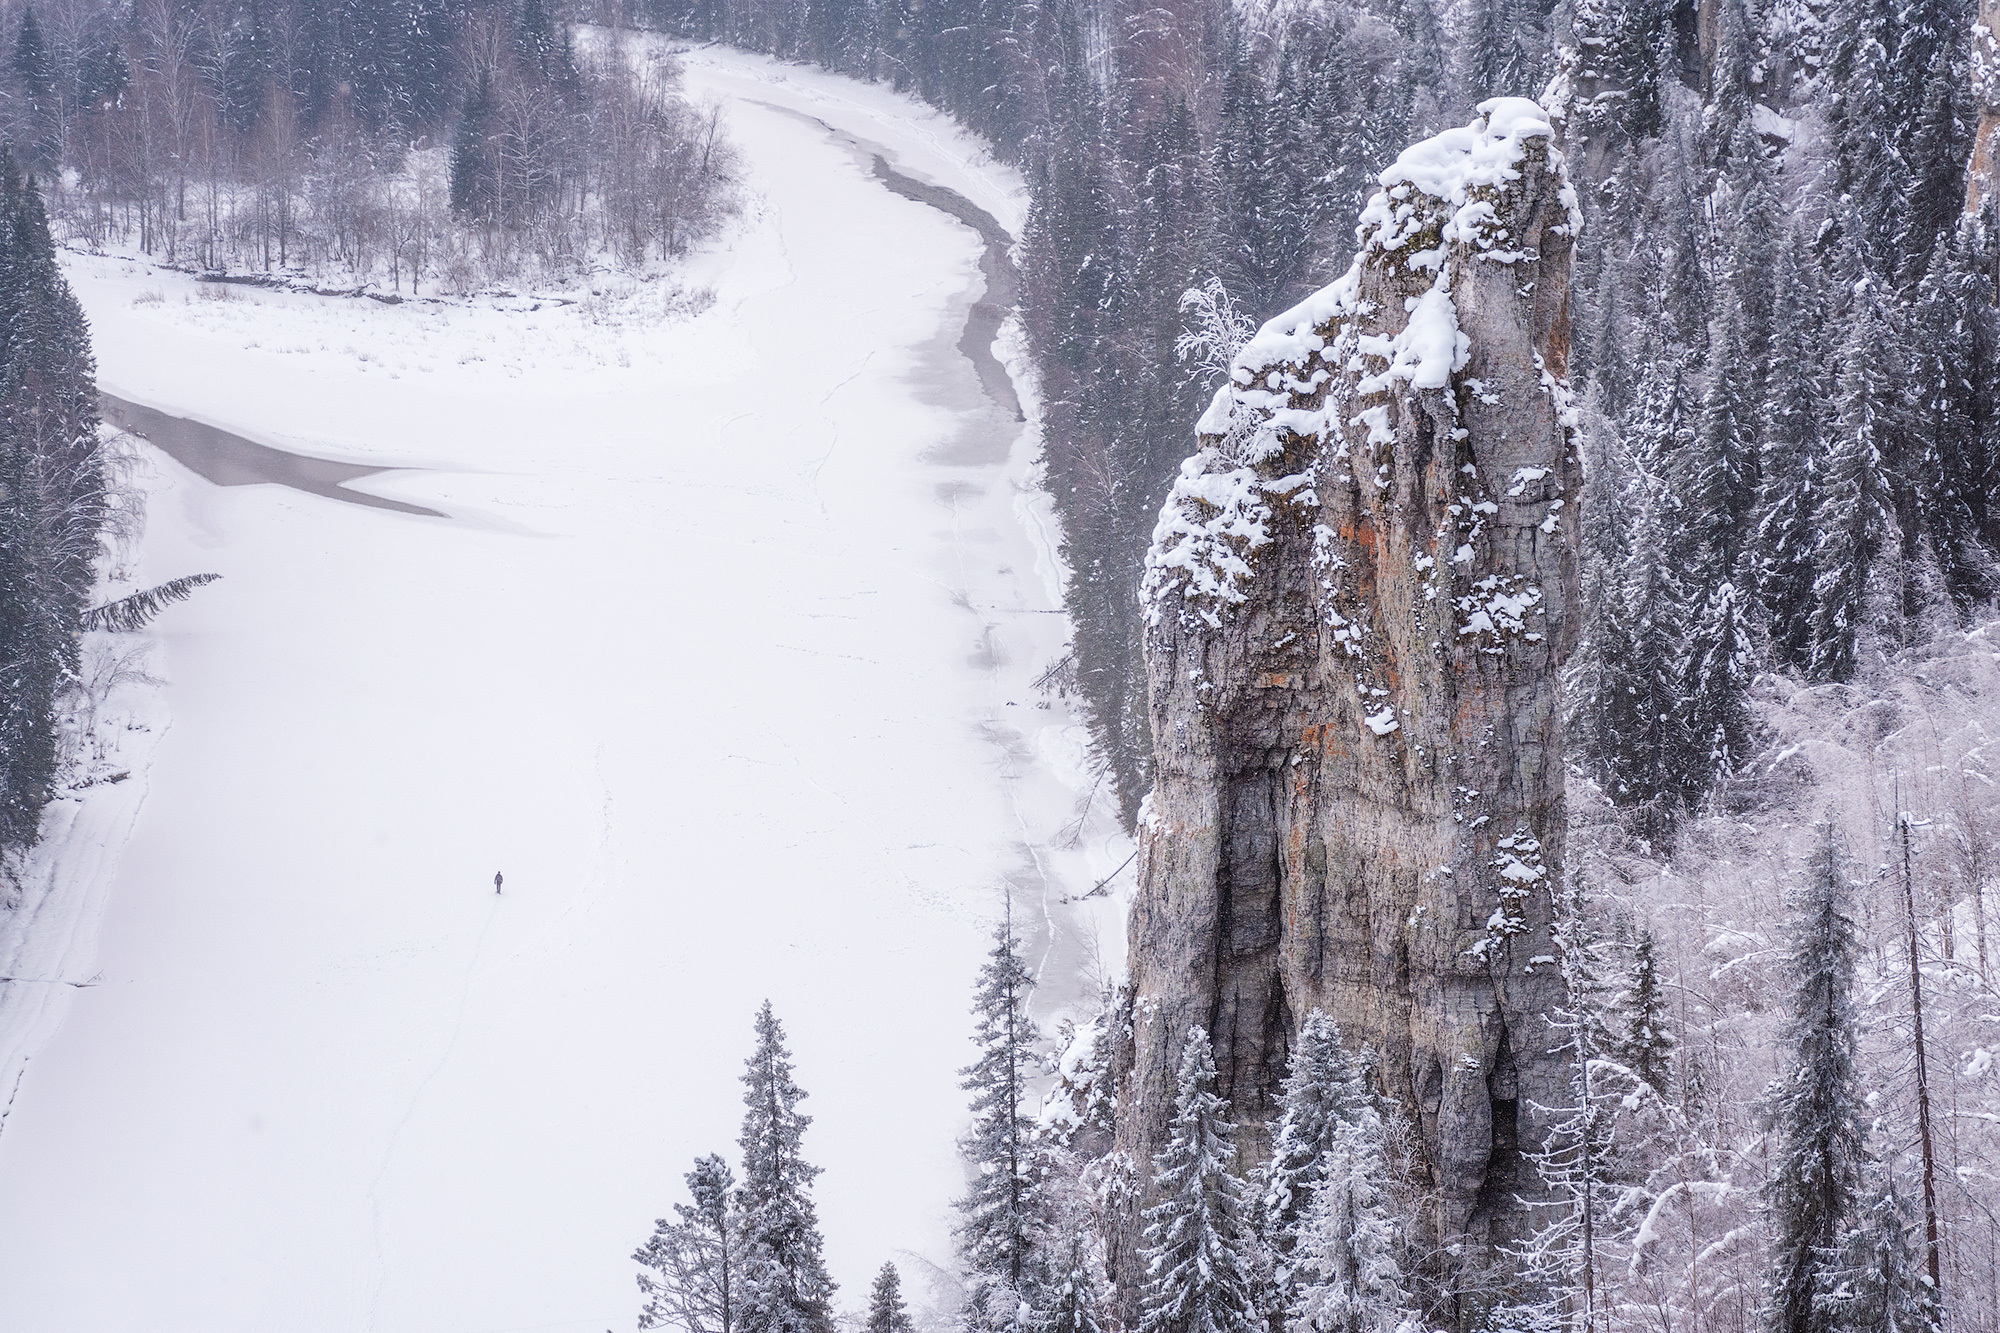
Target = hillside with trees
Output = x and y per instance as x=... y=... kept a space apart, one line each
x=1782 y=302
x=1778 y=990
x=1784 y=327
x=53 y=502
x=416 y=145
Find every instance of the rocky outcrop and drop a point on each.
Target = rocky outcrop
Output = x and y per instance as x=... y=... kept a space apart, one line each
x=1983 y=172
x=1360 y=593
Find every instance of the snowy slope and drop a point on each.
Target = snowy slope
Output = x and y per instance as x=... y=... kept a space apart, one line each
x=722 y=658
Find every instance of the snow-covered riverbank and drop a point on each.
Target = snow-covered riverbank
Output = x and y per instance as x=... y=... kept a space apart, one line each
x=722 y=657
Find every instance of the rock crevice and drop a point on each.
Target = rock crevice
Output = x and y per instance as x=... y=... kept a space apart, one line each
x=1359 y=598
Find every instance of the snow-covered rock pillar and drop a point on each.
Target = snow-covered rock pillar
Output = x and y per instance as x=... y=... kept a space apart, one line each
x=1360 y=595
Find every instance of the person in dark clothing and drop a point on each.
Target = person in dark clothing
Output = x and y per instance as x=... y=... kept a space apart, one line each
x=496 y=881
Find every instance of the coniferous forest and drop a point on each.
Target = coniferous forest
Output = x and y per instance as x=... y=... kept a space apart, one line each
x=53 y=500
x=1778 y=1103
x=1781 y=323
x=1783 y=346
x=411 y=146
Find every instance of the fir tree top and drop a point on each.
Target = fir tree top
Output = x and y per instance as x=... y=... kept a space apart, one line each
x=886 y=1311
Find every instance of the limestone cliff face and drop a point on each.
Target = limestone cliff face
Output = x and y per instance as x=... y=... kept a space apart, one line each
x=1360 y=593
x=1983 y=173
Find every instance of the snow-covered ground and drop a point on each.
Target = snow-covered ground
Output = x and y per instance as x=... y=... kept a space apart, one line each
x=723 y=658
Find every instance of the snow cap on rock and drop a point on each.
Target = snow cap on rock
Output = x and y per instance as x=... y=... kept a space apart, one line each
x=1439 y=199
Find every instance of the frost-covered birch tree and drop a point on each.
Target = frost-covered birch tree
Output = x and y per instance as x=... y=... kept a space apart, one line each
x=1562 y=1263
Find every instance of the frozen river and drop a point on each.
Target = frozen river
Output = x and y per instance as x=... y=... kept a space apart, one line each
x=716 y=637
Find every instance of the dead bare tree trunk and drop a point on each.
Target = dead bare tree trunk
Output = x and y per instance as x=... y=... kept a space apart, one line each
x=1931 y=1263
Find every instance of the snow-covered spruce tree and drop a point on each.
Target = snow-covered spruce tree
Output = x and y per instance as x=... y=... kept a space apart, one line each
x=1863 y=36
x=1951 y=338
x=1562 y=1263
x=1070 y=1287
x=1648 y=1043
x=1852 y=514
x=1880 y=1283
x=1198 y=1249
x=1721 y=661
x=886 y=1311
x=1723 y=490
x=1653 y=750
x=1934 y=199
x=1792 y=444
x=691 y=1260
x=1816 y=1108
x=999 y=1215
x=1594 y=687
x=1662 y=434
x=1322 y=1092
x=782 y=1284
x=471 y=191
x=1341 y=1273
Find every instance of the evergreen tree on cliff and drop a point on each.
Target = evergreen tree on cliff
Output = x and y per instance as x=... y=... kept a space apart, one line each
x=1000 y=1212
x=886 y=1311
x=1817 y=1108
x=1340 y=1274
x=1322 y=1093
x=1198 y=1250
x=784 y=1282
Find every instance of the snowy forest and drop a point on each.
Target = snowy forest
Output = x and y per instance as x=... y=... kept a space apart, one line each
x=412 y=146
x=1779 y=991
x=1810 y=451
x=54 y=502
x=1784 y=333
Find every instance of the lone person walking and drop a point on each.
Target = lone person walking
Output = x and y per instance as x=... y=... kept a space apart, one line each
x=496 y=881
